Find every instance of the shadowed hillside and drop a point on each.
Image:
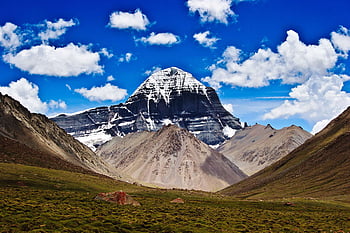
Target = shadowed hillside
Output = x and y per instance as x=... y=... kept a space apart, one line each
x=33 y=139
x=12 y=151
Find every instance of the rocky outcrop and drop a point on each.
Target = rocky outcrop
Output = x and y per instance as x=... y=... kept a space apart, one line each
x=178 y=201
x=171 y=95
x=119 y=197
x=258 y=146
x=43 y=141
x=170 y=158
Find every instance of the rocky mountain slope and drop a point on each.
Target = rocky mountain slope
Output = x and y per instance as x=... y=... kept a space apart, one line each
x=170 y=95
x=12 y=151
x=318 y=168
x=170 y=158
x=258 y=146
x=33 y=139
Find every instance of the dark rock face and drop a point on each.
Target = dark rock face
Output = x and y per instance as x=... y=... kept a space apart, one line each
x=168 y=96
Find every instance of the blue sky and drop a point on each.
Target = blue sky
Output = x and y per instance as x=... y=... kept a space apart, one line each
x=271 y=61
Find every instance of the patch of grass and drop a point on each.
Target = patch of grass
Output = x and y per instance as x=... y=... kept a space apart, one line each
x=43 y=200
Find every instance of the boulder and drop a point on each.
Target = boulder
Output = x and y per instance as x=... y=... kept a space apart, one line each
x=118 y=197
x=289 y=204
x=178 y=200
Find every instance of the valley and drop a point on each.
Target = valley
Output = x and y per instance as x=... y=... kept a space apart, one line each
x=258 y=179
x=175 y=116
x=46 y=200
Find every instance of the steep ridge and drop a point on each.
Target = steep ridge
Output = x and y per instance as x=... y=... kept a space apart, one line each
x=12 y=151
x=318 y=168
x=43 y=142
x=170 y=95
x=170 y=158
x=258 y=146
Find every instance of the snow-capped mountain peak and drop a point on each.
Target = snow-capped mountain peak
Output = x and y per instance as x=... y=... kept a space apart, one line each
x=170 y=95
x=161 y=84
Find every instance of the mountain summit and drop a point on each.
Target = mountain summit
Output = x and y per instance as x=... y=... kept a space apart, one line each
x=259 y=146
x=167 y=96
x=162 y=85
x=170 y=158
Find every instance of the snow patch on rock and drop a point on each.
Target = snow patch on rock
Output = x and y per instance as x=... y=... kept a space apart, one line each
x=228 y=131
x=167 y=122
x=95 y=138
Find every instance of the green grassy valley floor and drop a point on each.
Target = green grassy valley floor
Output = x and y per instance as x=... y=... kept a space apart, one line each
x=44 y=200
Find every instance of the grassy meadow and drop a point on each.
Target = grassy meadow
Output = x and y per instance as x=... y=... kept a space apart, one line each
x=45 y=200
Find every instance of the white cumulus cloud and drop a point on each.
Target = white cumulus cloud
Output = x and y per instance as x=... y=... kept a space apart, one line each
x=203 y=39
x=320 y=125
x=106 y=92
x=110 y=78
x=125 y=20
x=71 y=60
x=55 y=29
x=231 y=54
x=318 y=100
x=57 y=104
x=165 y=38
x=212 y=10
x=318 y=96
x=8 y=38
x=294 y=62
x=341 y=39
x=126 y=57
x=106 y=53
x=153 y=70
x=27 y=94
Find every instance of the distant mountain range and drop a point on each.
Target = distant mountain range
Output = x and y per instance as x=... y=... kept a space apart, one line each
x=258 y=146
x=33 y=139
x=318 y=168
x=158 y=150
x=170 y=95
x=170 y=158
